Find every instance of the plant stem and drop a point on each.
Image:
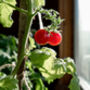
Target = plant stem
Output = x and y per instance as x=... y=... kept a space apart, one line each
x=6 y=66
x=40 y=21
x=22 y=54
x=25 y=36
x=29 y=6
x=26 y=83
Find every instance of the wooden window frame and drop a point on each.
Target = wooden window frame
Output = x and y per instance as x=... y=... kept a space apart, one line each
x=66 y=49
x=66 y=9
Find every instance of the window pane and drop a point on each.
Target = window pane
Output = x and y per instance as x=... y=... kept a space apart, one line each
x=82 y=38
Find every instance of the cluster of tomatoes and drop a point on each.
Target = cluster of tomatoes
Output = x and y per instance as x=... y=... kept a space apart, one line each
x=43 y=37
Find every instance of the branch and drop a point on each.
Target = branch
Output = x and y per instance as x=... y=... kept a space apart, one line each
x=17 y=8
x=7 y=65
x=36 y=12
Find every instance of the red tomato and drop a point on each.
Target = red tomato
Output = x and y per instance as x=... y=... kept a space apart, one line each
x=42 y=37
x=55 y=38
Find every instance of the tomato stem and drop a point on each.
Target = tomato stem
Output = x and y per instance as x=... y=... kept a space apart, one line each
x=40 y=21
x=17 y=8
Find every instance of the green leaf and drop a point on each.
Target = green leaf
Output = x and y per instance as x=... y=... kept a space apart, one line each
x=32 y=43
x=46 y=70
x=38 y=57
x=54 y=17
x=8 y=83
x=8 y=51
x=51 y=70
x=2 y=75
x=74 y=84
x=55 y=68
x=38 y=3
x=71 y=69
x=51 y=51
x=44 y=57
x=51 y=67
x=6 y=13
x=40 y=85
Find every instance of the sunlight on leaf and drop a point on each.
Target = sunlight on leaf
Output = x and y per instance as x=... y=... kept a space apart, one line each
x=6 y=13
x=38 y=3
x=37 y=57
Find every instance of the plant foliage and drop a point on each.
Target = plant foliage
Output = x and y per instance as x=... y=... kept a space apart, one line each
x=6 y=12
x=41 y=65
x=8 y=83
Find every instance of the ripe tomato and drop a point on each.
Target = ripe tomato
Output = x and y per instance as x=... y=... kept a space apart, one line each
x=55 y=38
x=42 y=37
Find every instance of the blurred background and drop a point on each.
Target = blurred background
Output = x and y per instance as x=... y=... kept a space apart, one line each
x=76 y=35
x=81 y=41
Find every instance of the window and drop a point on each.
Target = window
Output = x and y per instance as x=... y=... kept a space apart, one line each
x=82 y=41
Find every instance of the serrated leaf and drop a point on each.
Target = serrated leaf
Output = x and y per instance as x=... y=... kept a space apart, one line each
x=70 y=65
x=44 y=59
x=6 y=13
x=55 y=68
x=8 y=83
x=47 y=71
x=60 y=66
x=54 y=17
x=74 y=84
x=38 y=3
x=51 y=70
x=38 y=57
x=51 y=51
x=51 y=67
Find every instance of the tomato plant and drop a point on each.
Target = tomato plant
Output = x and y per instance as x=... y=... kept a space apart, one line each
x=29 y=58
